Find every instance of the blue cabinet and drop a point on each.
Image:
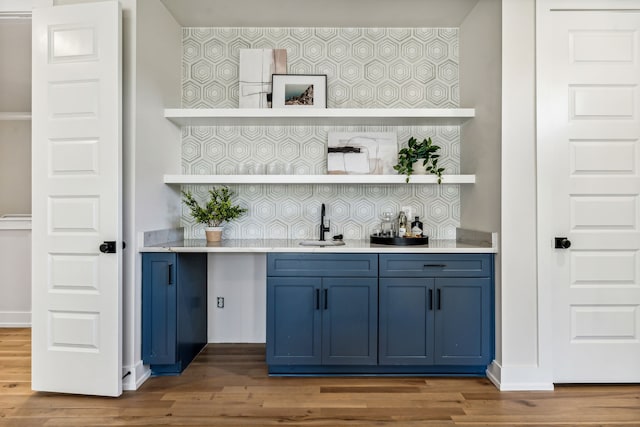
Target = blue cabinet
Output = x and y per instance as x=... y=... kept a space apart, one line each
x=174 y=310
x=429 y=314
x=436 y=309
x=318 y=313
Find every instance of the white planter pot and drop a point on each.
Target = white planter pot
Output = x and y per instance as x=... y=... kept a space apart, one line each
x=418 y=167
x=214 y=234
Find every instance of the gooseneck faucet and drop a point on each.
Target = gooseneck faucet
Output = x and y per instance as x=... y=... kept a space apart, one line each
x=323 y=229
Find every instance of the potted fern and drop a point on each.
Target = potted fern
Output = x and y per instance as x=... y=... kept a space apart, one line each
x=217 y=210
x=419 y=157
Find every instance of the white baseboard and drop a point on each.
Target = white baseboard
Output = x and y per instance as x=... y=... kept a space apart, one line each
x=15 y=319
x=519 y=378
x=138 y=374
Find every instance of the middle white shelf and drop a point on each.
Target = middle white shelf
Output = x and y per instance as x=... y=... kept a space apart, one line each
x=316 y=179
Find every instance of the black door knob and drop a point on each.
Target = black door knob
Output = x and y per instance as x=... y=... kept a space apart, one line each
x=562 y=243
x=108 y=248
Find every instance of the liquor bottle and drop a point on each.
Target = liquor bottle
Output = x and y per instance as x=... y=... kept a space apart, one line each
x=402 y=224
x=416 y=227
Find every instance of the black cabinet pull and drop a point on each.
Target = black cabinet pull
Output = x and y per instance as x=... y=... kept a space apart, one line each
x=439 y=299
x=317 y=299
x=430 y=299
x=326 y=299
x=170 y=272
x=434 y=265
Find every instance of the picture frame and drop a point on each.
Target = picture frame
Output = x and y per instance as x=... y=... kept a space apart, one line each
x=362 y=153
x=299 y=91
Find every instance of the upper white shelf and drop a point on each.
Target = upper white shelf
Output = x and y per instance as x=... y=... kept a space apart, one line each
x=317 y=116
x=316 y=179
x=15 y=116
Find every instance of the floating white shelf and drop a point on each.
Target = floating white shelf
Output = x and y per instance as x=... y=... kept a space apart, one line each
x=15 y=116
x=316 y=179
x=317 y=116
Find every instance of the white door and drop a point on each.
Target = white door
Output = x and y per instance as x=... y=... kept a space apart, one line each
x=589 y=186
x=76 y=336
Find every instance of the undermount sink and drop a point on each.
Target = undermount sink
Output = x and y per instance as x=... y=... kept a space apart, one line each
x=322 y=243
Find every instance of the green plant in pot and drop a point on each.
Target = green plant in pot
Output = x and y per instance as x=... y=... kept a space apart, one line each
x=419 y=157
x=217 y=210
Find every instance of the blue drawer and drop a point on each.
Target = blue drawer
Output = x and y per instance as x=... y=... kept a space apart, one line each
x=436 y=265
x=324 y=265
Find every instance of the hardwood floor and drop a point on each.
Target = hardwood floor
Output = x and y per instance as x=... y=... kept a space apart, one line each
x=227 y=385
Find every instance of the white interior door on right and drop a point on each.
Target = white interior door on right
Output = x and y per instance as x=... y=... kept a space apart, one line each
x=589 y=187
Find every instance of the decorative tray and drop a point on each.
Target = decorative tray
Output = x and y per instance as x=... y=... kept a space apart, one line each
x=400 y=241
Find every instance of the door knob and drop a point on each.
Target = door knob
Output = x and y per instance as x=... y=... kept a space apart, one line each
x=108 y=247
x=562 y=243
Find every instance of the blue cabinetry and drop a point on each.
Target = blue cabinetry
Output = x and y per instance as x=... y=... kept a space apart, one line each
x=321 y=310
x=174 y=310
x=437 y=309
x=435 y=313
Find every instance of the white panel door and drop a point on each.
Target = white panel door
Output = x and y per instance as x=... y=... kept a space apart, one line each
x=77 y=146
x=589 y=186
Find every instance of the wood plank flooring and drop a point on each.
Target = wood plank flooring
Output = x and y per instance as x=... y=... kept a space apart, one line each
x=227 y=385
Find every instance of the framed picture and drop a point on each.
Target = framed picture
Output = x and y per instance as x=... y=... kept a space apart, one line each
x=299 y=91
x=353 y=153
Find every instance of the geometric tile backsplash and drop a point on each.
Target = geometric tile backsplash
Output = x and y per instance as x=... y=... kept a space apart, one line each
x=365 y=67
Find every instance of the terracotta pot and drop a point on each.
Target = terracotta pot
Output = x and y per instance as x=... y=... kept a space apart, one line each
x=214 y=234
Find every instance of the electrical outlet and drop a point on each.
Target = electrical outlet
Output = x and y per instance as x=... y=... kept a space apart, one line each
x=220 y=302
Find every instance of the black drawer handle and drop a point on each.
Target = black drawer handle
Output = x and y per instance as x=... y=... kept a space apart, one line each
x=170 y=278
x=435 y=265
x=439 y=299
x=326 y=299
x=317 y=299
x=430 y=299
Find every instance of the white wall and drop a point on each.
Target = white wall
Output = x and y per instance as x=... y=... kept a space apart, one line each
x=15 y=278
x=241 y=280
x=523 y=364
x=152 y=61
x=480 y=87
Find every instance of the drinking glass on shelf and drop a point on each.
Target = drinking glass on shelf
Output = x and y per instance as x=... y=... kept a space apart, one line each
x=274 y=168
x=243 y=168
x=289 y=169
x=260 y=169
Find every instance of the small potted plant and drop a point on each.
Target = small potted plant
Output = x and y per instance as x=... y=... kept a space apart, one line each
x=217 y=210
x=419 y=157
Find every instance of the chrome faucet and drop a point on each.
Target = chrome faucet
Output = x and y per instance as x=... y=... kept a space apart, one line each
x=323 y=229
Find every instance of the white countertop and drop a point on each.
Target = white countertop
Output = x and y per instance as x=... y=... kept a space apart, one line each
x=290 y=245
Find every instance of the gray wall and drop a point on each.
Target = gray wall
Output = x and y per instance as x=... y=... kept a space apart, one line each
x=15 y=96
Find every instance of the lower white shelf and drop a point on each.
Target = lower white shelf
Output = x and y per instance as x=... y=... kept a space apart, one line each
x=316 y=179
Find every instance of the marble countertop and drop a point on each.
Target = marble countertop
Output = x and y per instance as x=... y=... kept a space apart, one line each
x=292 y=245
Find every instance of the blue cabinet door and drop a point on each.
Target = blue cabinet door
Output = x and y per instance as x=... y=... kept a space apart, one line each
x=406 y=321
x=349 y=321
x=294 y=320
x=174 y=310
x=159 y=308
x=463 y=331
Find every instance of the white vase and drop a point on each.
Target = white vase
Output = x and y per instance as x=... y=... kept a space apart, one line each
x=214 y=234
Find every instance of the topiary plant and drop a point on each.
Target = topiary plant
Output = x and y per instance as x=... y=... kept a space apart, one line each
x=218 y=208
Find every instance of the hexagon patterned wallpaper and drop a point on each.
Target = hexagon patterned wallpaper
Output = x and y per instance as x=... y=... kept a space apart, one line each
x=365 y=67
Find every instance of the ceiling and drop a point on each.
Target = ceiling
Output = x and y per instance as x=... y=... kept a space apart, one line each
x=320 y=13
